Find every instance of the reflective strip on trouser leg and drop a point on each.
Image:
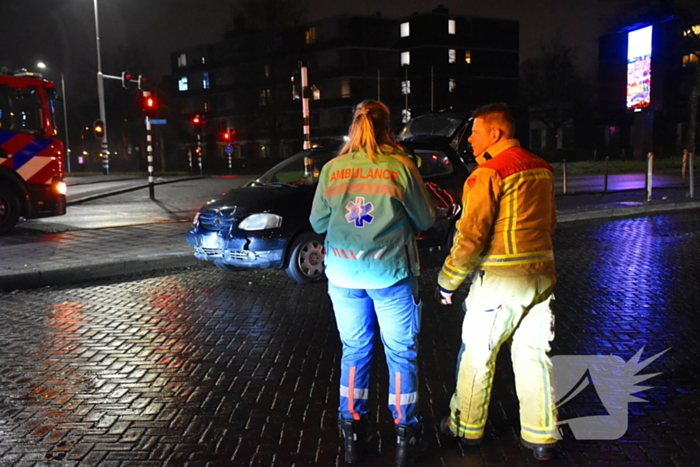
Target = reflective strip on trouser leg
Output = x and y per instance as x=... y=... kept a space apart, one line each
x=398 y=313
x=533 y=372
x=354 y=315
x=494 y=307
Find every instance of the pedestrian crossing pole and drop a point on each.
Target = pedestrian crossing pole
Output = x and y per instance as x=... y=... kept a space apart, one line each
x=149 y=109
x=305 y=105
x=149 y=154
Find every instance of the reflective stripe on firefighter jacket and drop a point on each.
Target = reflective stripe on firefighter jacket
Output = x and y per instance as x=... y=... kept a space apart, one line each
x=505 y=228
x=372 y=212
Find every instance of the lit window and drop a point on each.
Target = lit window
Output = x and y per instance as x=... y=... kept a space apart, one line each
x=691 y=58
x=452 y=56
x=451 y=26
x=405 y=115
x=182 y=60
x=467 y=57
x=693 y=31
x=452 y=85
x=345 y=88
x=405 y=29
x=182 y=84
x=311 y=35
x=405 y=58
x=205 y=80
x=406 y=87
x=264 y=96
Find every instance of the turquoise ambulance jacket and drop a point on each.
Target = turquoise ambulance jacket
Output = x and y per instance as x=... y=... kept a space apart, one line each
x=371 y=212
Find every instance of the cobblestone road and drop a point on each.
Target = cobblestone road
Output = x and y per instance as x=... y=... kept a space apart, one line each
x=202 y=368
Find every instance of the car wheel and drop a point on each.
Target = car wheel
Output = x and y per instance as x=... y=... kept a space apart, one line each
x=9 y=210
x=305 y=263
x=225 y=267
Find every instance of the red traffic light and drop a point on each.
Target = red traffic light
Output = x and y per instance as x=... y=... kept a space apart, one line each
x=150 y=104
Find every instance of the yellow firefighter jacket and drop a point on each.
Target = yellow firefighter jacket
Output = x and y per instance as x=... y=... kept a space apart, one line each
x=508 y=217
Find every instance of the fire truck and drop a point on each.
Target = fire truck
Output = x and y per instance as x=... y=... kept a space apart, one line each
x=32 y=157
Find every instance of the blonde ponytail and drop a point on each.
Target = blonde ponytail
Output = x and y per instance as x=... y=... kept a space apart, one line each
x=370 y=130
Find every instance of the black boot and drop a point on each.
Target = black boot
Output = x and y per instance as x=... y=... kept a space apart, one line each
x=357 y=438
x=541 y=452
x=410 y=444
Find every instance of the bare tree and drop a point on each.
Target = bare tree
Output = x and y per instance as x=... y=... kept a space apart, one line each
x=552 y=87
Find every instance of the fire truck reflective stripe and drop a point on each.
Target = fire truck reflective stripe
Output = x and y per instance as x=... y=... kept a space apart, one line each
x=5 y=136
x=29 y=170
x=29 y=152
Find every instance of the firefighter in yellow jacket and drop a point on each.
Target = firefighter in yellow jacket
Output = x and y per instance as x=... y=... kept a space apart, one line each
x=505 y=236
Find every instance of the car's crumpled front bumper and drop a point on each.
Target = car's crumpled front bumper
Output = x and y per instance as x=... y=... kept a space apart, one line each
x=249 y=252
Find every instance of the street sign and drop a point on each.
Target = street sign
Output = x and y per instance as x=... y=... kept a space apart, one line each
x=228 y=149
x=158 y=121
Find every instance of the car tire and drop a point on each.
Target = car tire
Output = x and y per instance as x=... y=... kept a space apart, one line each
x=305 y=261
x=226 y=267
x=9 y=210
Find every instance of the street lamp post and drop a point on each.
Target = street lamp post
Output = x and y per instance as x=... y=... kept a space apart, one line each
x=65 y=116
x=101 y=96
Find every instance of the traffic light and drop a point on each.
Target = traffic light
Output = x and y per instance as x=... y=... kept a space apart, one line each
x=197 y=122
x=99 y=129
x=126 y=79
x=150 y=105
x=141 y=82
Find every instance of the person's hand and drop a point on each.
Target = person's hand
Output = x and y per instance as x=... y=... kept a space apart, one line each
x=443 y=298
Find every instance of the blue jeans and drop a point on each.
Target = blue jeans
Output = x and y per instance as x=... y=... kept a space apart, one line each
x=397 y=310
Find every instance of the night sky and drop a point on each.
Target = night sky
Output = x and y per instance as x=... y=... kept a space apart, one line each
x=62 y=32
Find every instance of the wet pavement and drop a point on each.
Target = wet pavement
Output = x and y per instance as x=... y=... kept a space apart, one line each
x=190 y=366
x=197 y=367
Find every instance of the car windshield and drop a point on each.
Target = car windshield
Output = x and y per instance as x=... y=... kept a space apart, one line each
x=431 y=125
x=300 y=169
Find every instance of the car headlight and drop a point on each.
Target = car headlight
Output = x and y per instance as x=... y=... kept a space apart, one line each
x=261 y=221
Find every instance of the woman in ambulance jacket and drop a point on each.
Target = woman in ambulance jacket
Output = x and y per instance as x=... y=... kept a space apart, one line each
x=371 y=202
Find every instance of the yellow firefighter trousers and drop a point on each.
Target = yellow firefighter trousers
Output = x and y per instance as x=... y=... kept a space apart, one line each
x=498 y=308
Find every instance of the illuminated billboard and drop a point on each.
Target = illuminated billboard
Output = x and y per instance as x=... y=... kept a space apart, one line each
x=639 y=68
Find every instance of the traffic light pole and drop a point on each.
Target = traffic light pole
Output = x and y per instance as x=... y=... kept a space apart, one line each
x=101 y=96
x=149 y=154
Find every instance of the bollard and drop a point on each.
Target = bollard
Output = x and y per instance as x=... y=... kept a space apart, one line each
x=691 y=172
x=605 y=176
x=650 y=170
x=563 y=165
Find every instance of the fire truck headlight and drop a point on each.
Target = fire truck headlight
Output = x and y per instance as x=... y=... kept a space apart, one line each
x=61 y=188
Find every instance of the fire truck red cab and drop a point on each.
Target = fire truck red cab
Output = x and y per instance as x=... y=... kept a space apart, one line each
x=31 y=155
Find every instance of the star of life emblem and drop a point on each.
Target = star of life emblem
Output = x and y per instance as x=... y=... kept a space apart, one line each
x=359 y=212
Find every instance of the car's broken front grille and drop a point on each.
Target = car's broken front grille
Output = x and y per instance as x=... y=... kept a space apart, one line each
x=216 y=221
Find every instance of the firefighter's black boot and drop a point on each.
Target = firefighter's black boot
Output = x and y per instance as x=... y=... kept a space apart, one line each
x=410 y=444
x=357 y=438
